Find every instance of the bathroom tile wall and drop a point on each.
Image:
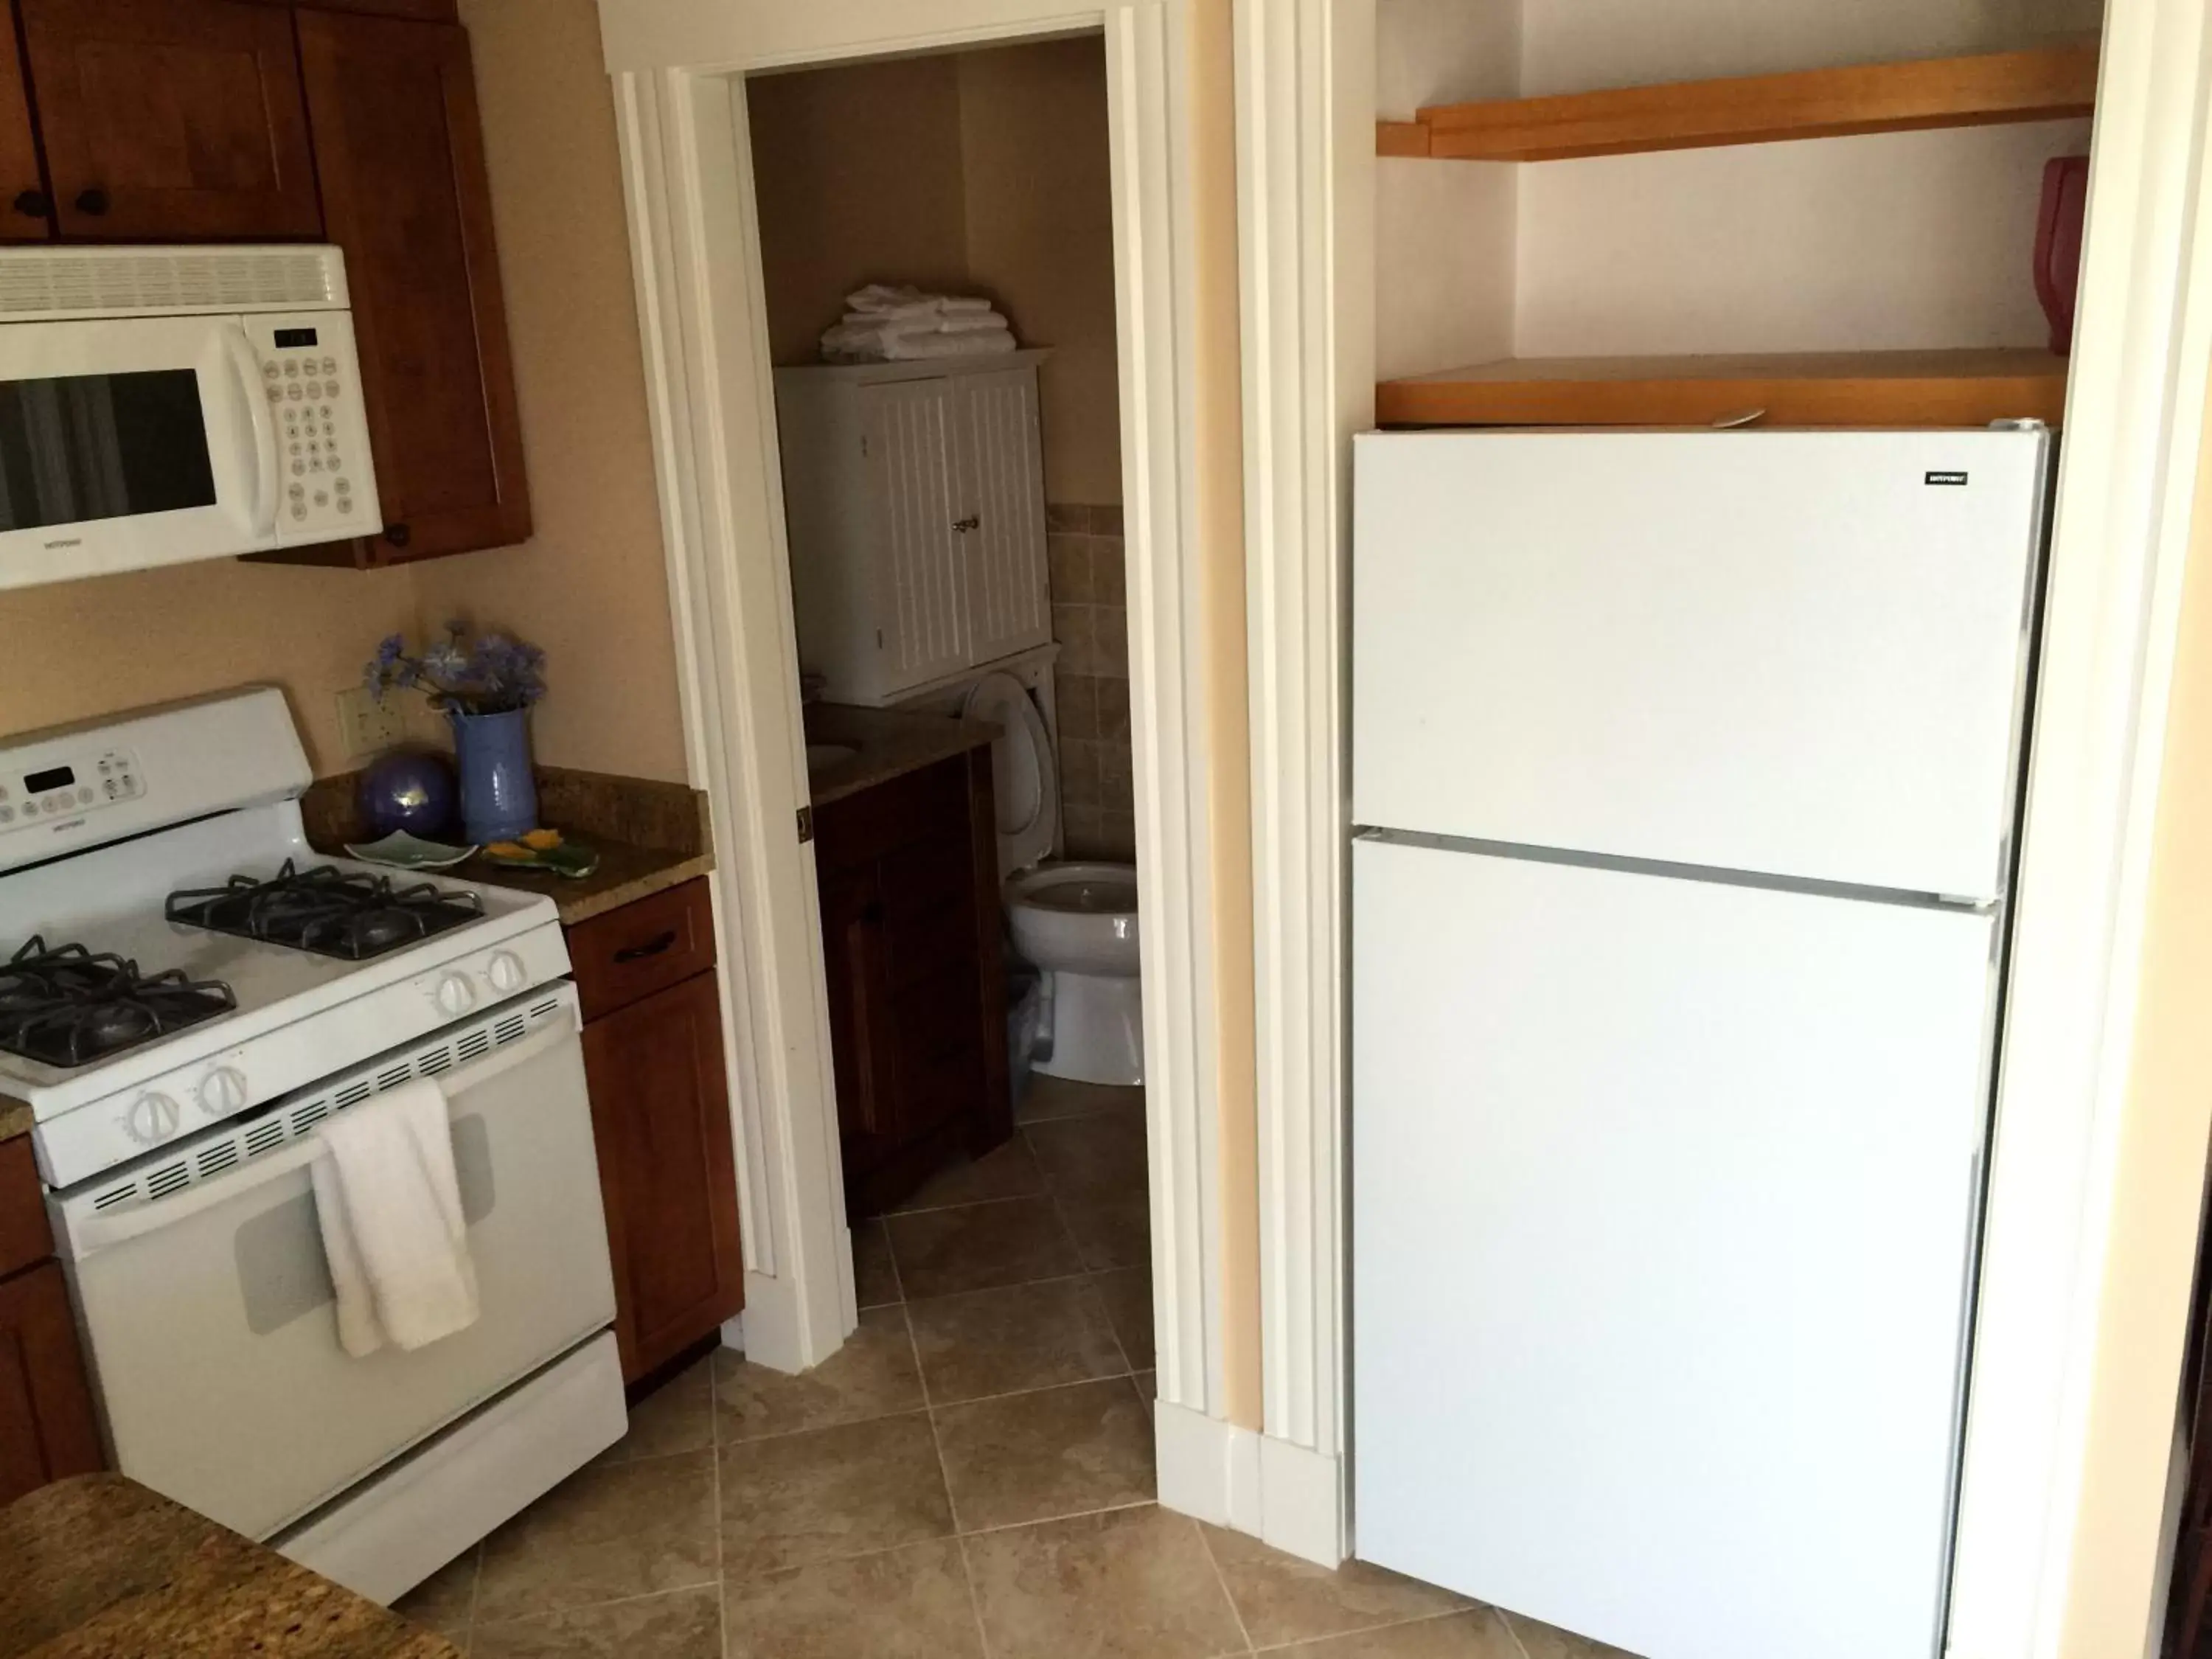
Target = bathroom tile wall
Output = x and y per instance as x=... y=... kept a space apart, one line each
x=1090 y=620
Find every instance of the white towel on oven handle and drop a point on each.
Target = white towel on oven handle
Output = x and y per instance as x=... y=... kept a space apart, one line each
x=389 y=1203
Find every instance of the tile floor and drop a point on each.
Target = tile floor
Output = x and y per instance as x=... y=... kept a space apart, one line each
x=970 y=1477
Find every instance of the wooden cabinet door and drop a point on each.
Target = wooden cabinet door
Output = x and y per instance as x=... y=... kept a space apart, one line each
x=661 y=1114
x=46 y=1428
x=921 y=603
x=26 y=209
x=998 y=465
x=400 y=151
x=171 y=120
x=854 y=977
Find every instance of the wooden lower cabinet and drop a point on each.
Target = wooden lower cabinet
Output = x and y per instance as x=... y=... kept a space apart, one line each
x=907 y=875
x=46 y=1427
x=660 y=1112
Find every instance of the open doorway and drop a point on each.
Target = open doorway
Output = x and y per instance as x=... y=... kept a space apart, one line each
x=937 y=252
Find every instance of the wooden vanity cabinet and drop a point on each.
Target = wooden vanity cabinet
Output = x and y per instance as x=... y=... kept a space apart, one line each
x=47 y=1429
x=660 y=1116
x=906 y=874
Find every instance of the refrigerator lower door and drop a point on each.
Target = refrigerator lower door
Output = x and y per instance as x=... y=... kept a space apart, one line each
x=1663 y=1192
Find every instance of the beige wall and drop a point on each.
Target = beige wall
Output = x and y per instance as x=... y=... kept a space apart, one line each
x=590 y=587
x=857 y=171
x=76 y=650
x=1034 y=155
x=981 y=172
x=2152 y=1247
x=1221 y=488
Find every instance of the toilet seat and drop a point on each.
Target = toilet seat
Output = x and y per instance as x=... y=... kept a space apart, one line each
x=1080 y=889
x=1025 y=776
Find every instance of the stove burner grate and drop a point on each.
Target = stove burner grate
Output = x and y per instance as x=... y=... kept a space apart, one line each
x=332 y=911
x=68 y=1006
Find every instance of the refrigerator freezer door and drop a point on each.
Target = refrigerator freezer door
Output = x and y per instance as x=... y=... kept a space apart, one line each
x=1662 y=1196
x=1797 y=653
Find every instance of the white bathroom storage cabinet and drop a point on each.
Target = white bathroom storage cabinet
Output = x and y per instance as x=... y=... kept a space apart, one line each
x=914 y=495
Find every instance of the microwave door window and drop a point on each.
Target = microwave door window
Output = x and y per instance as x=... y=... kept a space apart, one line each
x=83 y=448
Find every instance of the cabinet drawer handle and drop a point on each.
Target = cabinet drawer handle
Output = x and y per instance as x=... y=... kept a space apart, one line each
x=34 y=203
x=93 y=201
x=652 y=947
x=972 y=521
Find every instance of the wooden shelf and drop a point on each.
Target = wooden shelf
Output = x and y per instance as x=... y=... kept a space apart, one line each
x=1850 y=388
x=2047 y=83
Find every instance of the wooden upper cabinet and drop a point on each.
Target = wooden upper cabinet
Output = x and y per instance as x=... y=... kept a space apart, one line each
x=400 y=157
x=26 y=210
x=171 y=120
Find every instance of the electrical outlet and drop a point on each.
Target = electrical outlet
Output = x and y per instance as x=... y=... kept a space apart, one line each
x=366 y=725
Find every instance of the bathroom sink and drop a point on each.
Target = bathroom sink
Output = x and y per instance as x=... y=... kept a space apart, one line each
x=821 y=756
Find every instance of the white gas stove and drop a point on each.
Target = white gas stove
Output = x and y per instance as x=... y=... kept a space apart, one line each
x=187 y=991
x=212 y=798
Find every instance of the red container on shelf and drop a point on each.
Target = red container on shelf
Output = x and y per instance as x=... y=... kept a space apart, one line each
x=2058 y=244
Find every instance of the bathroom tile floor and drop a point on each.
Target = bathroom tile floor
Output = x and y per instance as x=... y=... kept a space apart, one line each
x=970 y=1477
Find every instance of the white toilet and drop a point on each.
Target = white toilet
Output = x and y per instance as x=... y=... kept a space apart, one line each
x=1077 y=922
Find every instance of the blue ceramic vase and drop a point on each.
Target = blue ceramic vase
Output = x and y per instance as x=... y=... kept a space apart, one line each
x=499 y=796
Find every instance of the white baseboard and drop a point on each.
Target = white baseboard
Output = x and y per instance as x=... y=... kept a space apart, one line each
x=1240 y=1478
x=1300 y=1507
x=767 y=1329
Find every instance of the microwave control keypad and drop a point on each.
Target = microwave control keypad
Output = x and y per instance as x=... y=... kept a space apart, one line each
x=321 y=435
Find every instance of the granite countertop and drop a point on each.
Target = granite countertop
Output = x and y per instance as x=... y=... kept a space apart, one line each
x=14 y=1118
x=891 y=742
x=649 y=835
x=100 y=1568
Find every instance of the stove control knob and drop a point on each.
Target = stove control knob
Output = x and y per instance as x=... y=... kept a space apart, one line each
x=152 y=1118
x=455 y=995
x=224 y=1091
x=505 y=972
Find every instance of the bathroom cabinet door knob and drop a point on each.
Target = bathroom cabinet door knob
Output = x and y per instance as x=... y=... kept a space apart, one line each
x=34 y=203
x=93 y=201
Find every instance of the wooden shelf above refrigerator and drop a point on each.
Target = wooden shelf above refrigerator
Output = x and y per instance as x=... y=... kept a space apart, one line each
x=2042 y=84
x=1850 y=388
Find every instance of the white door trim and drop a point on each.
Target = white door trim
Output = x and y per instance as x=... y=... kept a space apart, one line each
x=2120 y=542
x=694 y=236
x=1305 y=106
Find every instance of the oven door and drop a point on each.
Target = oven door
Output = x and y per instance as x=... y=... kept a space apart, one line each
x=131 y=441
x=212 y=1330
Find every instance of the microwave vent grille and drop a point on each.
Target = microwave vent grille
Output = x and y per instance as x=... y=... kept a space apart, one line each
x=122 y=281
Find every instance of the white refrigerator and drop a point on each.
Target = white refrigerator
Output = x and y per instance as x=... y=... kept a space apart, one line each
x=1685 y=766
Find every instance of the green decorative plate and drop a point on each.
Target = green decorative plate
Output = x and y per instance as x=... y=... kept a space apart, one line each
x=405 y=851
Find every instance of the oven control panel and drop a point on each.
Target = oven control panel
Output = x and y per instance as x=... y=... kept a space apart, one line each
x=58 y=790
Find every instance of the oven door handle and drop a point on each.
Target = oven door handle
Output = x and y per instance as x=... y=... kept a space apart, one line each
x=246 y=364
x=104 y=1232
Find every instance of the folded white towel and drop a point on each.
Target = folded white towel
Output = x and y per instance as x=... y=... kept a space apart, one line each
x=971 y=322
x=908 y=348
x=389 y=1203
x=880 y=300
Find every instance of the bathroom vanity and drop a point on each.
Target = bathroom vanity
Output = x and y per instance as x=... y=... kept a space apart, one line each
x=906 y=864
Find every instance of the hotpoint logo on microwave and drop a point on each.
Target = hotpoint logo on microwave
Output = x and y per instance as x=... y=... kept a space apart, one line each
x=70 y=541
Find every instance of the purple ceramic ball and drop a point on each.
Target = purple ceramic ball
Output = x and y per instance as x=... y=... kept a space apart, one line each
x=408 y=789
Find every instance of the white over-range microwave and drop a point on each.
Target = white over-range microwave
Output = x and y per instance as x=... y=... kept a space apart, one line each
x=159 y=405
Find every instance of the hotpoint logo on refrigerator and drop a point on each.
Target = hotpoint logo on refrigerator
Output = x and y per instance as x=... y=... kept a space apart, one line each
x=1944 y=478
